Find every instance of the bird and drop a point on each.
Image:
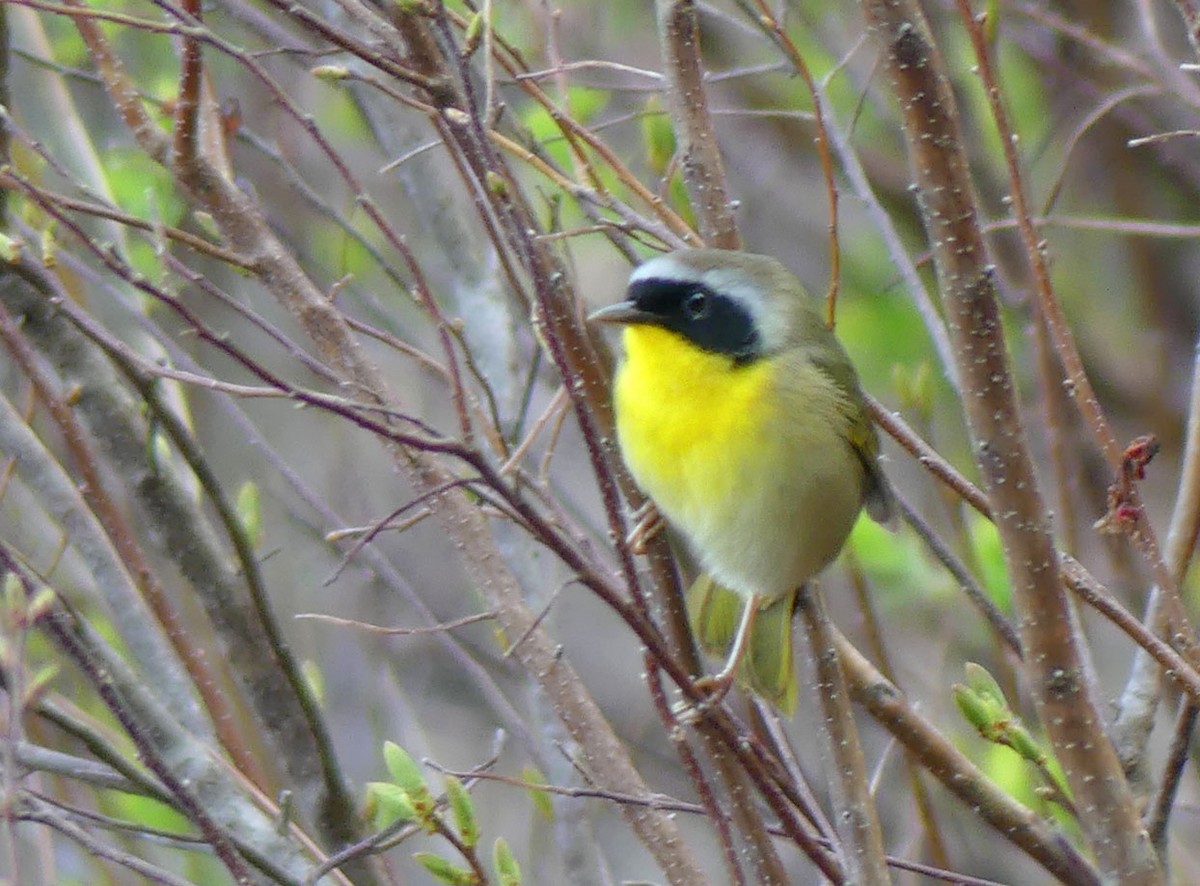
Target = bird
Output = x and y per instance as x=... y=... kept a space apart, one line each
x=740 y=416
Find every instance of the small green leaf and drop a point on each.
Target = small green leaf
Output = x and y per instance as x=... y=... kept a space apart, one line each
x=50 y=245
x=983 y=684
x=40 y=606
x=402 y=767
x=1018 y=738
x=15 y=606
x=39 y=684
x=10 y=248
x=463 y=808
x=330 y=73
x=249 y=511
x=508 y=872
x=407 y=774
x=541 y=800
x=658 y=135
x=315 y=680
x=497 y=184
x=974 y=710
x=444 y=870
x=386 y=804
x=473 y=35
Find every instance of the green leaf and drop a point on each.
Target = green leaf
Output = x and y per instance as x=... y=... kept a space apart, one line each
x=249 y=511
x=41 y=605
x=463 y=808
x=473 y=35
x=445 y=871
x=658 y=135
x=982 y=683
x=1018 y=738
x=315 y=680
x=541 y=800
x=974 y=710
x=387 y=803
x=508 y=872
x=402 y=768
x=10 y=248
x=39 y=684
x=407 y=774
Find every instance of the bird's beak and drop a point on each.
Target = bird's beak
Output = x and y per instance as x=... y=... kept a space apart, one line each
x=621 y=312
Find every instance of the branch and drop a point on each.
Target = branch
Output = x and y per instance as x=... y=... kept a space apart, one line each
x=687 y=101
x=941 y=759
x=199 y=781
x=854 y=814
x=1053 y=660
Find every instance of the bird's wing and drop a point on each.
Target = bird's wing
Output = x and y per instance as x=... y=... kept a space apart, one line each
x=863 y=438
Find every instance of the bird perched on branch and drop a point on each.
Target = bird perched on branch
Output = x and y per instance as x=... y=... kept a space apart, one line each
x=740 y=415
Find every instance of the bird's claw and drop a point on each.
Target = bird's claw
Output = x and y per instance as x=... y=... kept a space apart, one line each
x=647 y=523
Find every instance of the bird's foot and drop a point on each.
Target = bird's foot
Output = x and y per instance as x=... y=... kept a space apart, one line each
x=714 y=688
x=647 y=523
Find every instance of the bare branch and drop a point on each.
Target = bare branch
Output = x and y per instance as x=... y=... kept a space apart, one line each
x=703 y=169
x=967 y=278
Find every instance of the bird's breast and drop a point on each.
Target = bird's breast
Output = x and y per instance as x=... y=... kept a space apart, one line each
x=754 y=469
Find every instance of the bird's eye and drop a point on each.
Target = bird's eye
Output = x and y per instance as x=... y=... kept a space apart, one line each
x=695 y=305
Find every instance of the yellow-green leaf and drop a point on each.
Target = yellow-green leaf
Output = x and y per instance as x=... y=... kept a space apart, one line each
x=508 y=872
x=444 y=870
x=463 y=808
x=387 y=803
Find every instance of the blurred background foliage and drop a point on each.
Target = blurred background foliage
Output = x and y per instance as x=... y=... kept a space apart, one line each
x=1080 y=81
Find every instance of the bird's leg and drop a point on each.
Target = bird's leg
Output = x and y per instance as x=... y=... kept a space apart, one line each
x=647 y=523
x=718 y=685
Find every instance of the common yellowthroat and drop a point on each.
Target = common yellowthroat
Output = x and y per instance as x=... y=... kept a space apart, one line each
x=740 y=415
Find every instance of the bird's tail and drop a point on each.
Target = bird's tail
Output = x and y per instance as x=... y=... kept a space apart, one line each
x=766 y=668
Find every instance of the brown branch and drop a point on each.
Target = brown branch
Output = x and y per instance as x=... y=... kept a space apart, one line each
x=1053 y=661
x=900 y=431
x=1175 y=666
x=187 y=104
x=935 y=841
x=242 y=224
x=1189 y=11
x=157 y=736
x=1049 y=310
x=99 y=210
x=687 y=101
x=200 y=670
x=853 y=810
x=1159 y=814
x=974 y=591
x=950 y=766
